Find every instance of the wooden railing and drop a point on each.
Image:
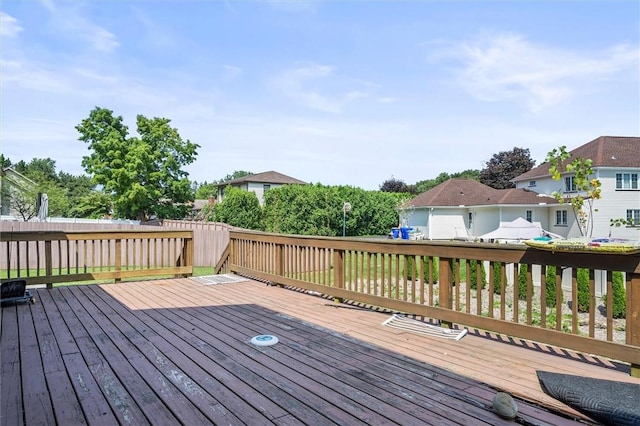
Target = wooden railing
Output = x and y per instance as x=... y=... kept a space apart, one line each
x=438 y=280
x=48 y=257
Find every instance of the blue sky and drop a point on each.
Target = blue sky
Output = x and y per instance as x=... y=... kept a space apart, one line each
x=336 y=92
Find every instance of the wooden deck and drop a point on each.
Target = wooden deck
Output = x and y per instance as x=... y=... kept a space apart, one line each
x=178 y=352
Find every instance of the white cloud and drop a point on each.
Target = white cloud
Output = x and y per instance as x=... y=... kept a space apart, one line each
x=231 y=72
x=9 y=26
x=71 y=21
x=318 y=87
x=507 y=67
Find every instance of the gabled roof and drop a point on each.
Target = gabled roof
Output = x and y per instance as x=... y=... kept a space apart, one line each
x=605 y=151
x=468 y=192
x=265 y=177
x=16 y=178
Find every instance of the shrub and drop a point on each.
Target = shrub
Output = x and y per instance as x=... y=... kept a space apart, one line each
x=473 y=274
x=497 y=277
x=583 y=289
x=522 y=282
x=434 y=272
x=551 y=287
x=619 y=309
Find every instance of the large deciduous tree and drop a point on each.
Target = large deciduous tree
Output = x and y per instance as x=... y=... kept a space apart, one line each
x=395 y=185
x=504 y=166
x=144 y=173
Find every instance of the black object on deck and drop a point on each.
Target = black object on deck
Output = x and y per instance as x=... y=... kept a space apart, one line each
x=606 y=401
x=15 y=291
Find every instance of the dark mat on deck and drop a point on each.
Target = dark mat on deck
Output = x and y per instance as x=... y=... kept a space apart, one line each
x=606 y=401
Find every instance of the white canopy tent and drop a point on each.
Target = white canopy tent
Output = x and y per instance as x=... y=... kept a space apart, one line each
x=517 y=230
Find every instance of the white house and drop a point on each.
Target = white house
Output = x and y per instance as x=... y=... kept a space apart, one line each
x=467 y=209
x=616 y=164
x=259 y=184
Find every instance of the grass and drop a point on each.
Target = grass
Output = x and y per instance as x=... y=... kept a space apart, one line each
x=197 y=271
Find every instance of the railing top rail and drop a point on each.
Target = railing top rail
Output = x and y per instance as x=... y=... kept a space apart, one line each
x=510 y=253
x=92 y=235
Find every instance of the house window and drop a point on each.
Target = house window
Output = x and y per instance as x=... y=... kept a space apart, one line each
x=569 y=184
x=561 y=218
x=532 y=183
x=470 y=220
x=265 y=188
x=633 y=216
x=529 y=215
x=626 y=180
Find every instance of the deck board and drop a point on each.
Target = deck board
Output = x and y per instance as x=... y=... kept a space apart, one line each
x=178 y=352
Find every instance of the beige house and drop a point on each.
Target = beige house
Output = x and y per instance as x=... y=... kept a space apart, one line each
x=15 y=194
x=259 y=183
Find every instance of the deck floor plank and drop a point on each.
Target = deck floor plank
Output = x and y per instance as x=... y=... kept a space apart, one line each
x=120 y=353
x=516 y=364
x=232 y=356
x=237 y=396
x=36 y=396
x=168 y=369
x=356 y=373
x=175 y=351
x=11 y=411
x=440 y=391
x=115 y=394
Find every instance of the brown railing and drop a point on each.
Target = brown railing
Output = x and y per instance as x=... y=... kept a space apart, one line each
x=48 y=257
x=439 y=280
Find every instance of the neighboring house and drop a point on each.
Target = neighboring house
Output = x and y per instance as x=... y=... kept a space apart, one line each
x=15 y=193
x=616 y=164
x=466 y=209
x=259 y=183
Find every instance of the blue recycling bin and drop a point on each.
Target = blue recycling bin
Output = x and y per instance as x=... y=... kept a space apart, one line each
x=405 y=232
x=395 y=232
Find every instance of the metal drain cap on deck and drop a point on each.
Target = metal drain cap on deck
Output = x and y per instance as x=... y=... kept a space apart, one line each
x=264 y=340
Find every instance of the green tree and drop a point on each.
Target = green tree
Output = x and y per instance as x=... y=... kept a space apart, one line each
x=580 y=173
x=205 y=190
x=235 y=175
x=239 y=208
x=143 y=174
x=318 y=210
x=94 y=205
x=425 y=185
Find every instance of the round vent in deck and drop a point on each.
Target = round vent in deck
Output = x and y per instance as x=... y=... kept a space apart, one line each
x=264 y=340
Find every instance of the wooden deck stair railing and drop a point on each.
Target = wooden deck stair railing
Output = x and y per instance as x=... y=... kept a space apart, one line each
x=48 y=257
x=434 y=280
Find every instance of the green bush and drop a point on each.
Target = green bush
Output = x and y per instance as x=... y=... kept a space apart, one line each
x=619 y=309
x=473 y=274
x=522 y=282
x=550 y=294
x=583 y=289
x=434 y=272
x=497 y=277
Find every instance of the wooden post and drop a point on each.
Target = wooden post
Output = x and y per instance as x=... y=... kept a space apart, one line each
x=445 y=283
x=48 y=267
x=118 y=259
x=279 y=260
x=338 y=271
x=633 y=316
